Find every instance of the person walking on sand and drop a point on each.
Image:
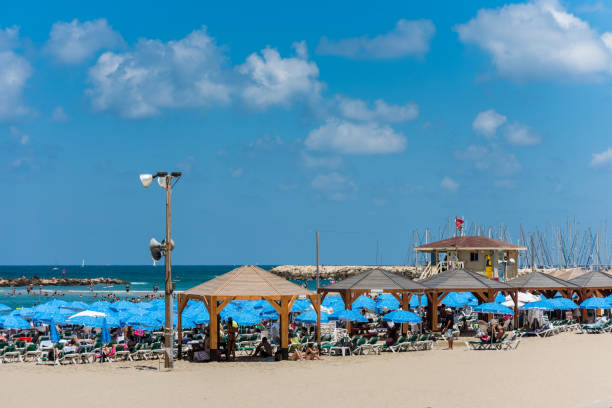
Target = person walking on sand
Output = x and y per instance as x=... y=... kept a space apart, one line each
x=231 y=339
x=448 y=323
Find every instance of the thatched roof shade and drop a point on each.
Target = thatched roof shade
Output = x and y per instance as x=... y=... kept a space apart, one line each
x=593 y=279
x=539 y=280
x=468 y=243
x=462 y=279
x=247 y=281
x=375 y=279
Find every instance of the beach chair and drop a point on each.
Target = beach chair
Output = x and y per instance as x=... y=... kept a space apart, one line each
x=138 y=352
x=11 y=354
x=67 y=357
x=395 y=346
x=367 y=347
x=358 y=347
x=87 y=354
x=122 y=352
x=31 y=352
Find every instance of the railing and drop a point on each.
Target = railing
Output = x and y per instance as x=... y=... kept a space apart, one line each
x=431 y=270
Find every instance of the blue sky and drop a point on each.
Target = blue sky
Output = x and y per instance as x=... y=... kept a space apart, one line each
x=363 y=122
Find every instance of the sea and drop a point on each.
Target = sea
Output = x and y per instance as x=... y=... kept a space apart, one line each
x=142 y=279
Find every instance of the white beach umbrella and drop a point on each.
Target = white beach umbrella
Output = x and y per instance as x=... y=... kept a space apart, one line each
x=88 y=313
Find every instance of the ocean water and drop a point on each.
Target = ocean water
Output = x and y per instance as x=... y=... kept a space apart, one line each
x=142 y=280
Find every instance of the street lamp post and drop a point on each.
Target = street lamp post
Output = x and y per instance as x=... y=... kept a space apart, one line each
x=165 y=181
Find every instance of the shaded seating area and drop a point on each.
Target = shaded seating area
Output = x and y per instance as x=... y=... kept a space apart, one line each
x=462 y=280
x=375 y=280
x=248 y=283
x=542 y=283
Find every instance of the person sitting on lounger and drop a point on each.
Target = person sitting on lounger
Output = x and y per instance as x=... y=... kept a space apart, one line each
x=264 y=349
x=297 y=355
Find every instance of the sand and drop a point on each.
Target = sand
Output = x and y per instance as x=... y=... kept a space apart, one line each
x=567 y=370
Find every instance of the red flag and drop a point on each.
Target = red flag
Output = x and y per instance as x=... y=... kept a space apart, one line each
x=459 y=223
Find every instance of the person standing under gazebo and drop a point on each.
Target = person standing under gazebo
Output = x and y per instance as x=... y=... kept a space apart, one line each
x=447 y=328
x=231 y=339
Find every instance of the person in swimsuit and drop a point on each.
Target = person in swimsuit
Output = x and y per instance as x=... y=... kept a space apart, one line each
x=231 y=339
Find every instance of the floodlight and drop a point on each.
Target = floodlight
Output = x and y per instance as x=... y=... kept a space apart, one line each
x=163 y=182
x=146 y=179
x=156 y=249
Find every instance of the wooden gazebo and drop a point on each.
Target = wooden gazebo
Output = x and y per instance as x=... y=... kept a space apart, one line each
x=248 y=283
x=543 y=283
x=374 y=280
x=462 y=280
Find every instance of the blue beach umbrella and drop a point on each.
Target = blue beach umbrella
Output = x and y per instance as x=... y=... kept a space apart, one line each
x=53 y=332
x=76 y=305
x=544 y=304
x=245 y=318
x=57 y=303
x=402 y=316
x=48 y=317
x=4 y=308
x=143 y=322
x=300 y=305
x=105 y=335
x=500 y=298
x=414 y=301
x=492 y=307
x=123 y=305
x=363 y=302
x=310 y=316
x=334 y=302
x=562 y=303
x=595 y=303
x=15 y=322
x=348 y=316
x=386 y=301
x=94 y=321
x=24 y=312
x=455 y=299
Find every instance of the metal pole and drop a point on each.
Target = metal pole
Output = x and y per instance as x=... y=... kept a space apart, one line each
x=168 y=363
x=318 y=276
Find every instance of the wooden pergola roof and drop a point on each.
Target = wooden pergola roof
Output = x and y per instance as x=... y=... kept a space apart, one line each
x=462 y=279
x=468 y=243
x=593 y=279
x=375 y=279
x=539 y=280
x=247 y=282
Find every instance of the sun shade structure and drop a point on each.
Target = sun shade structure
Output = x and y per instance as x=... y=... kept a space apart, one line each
x=462 y=280
x=593 y=283
x=375 y=280
x=248 y=283
x=545 y=284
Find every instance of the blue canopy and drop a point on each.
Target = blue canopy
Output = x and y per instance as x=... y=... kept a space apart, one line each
x=245 y=318
x=455 y=299
x=402 y=316
x=15 y=322
x=500 y=298
x=76 y=305
x=363 y=302
x=348 y=316
x=24 y=312
x=414 y=301
x=47 y=317
x=90 y=321
x=57 y=303
x=4 y=308
x=123 y=305
x=562 y=303
x=544 y=304
x=386 y=301
x=310 y=316
x=144 y=322
x=493 y=307
x=595 y=303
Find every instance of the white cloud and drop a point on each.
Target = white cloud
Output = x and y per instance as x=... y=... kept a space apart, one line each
x=407 y=38
x=538 y=39
x=520 y=135
x=155 y=75
x=14 y=73
x=381 y=111
x=236 y=173
x=273 y=80
x=59 y=115
x=334 y=186
x=21 y=137
x=351 y=138
x=449 y=184
x=75 y=42
x=331 y=162
x=487 y=122
x=602 y=159
x=492 y=159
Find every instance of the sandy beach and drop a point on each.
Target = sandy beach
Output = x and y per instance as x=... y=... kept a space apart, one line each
x=567 y=370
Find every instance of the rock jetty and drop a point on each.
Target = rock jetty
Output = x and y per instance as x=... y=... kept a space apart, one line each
x=338 y=272
x=36 y=281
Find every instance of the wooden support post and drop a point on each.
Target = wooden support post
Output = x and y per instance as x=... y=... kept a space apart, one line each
x=433 y=301
x=405 y=306
x=213 y=329
x=316 y=303
x=284 y=327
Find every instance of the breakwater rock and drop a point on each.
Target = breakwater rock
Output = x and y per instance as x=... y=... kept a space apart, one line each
x=338 y=272
x=36 y=281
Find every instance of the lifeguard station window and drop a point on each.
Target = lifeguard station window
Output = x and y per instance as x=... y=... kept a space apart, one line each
x=473 y=256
